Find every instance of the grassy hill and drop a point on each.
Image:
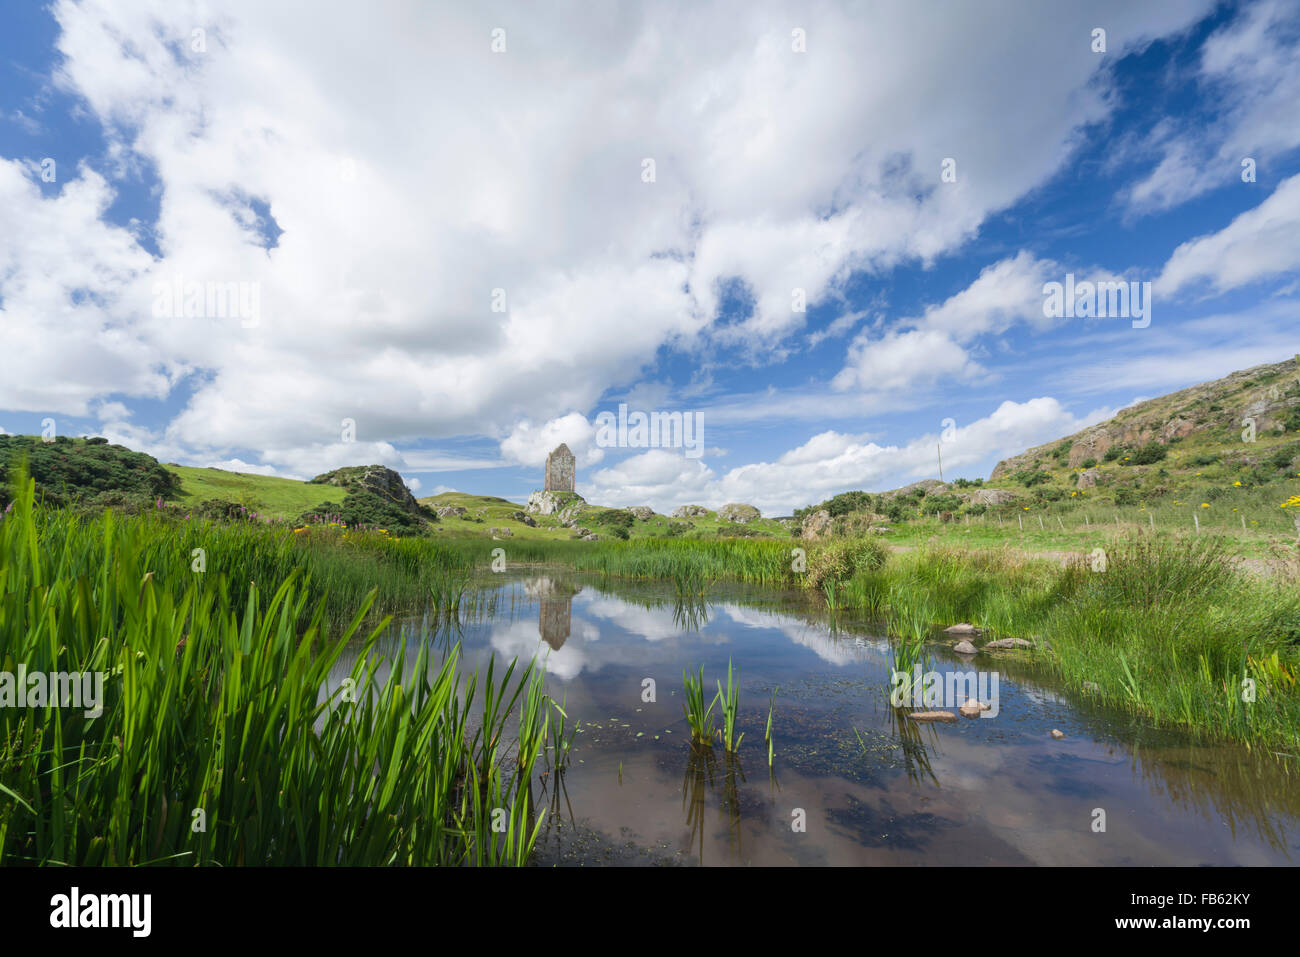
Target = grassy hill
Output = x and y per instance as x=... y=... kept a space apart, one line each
x=274 y=497
x=1221 y=457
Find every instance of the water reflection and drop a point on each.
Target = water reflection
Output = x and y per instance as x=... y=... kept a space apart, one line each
x=877 y=787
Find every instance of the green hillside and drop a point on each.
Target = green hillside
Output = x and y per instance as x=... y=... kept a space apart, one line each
x=270 y=496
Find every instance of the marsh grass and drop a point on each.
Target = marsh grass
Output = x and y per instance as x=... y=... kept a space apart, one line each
x=698 y=715
x=729 y=698
x=217 y=700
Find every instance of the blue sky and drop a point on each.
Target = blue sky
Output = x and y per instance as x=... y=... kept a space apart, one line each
x=444 y=253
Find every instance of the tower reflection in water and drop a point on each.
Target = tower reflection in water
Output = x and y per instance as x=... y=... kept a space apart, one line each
x=555 y=601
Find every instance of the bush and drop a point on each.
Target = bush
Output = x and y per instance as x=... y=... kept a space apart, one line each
x=1114 y=452
x=839 y=561
x=1089 y=463
x=1149 y=454
x=1029 y=478
x=1206 y=459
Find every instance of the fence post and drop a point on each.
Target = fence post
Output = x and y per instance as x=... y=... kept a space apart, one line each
x=1197 y=519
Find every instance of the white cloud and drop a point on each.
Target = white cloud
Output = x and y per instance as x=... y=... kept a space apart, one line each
x=413 y=172
x=530 y=445
x=1260 y=243
x=1251 y=69
x=833 y=462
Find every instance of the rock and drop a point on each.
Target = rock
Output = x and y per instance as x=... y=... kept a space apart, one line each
x=964 y=648
x=1009 y=643
x=690 y=511
x=452 y=511
x=816 y=525
x=591 y=537
x=973 y=708
x=738 y=513
x=1088 y=478
x=525 y=518
x=1058 y=735
x=501 y=532
x=992 y=496
x=1091 y=687
x=929 y=486
x=965 y=628
x=380 y=480
x=549 y=503
x=643 y=512
x=932 y=716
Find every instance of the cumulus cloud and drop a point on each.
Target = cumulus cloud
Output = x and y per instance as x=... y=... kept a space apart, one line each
x=1260 y=243
x=467 y=240
x=832 y=462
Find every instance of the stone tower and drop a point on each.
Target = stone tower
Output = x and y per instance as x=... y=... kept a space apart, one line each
x=559 y=470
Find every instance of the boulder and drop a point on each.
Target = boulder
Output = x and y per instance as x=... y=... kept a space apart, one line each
x=965 y=628
x=643 y=512
x=452 y=511
x=1058 y=735
x=739 y=513
x=1009 y=643
x=525 y=518
x=992 y=496
x=932 y=716
x=964 y=648
x=1088 y=478
x=690 y=511
x=973 y=708
x=501 y=533
x=816 y=525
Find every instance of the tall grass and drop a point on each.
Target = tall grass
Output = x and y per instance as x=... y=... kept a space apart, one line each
x=221 y=739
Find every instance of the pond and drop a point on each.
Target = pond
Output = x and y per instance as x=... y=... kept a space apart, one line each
x=853 y=781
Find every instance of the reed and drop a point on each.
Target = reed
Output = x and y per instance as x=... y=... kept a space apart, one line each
x=698 y=715
x=230 y=733
x=729 y=698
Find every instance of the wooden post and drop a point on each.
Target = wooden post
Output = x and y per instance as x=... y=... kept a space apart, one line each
x=1040 y=524
x=1243 y=522
x=1152 y=516
x=1085 y=519
x=1197 y=519
x=1021 y=520
x=1061 y=523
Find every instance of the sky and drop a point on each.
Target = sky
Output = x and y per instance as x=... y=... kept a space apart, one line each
x=286 y=237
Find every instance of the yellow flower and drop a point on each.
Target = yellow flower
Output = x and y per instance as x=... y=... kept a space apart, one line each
x=1205 y=505
x=1238 y=484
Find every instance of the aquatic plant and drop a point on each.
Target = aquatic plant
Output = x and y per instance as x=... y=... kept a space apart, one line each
x=730 y=701
x=698 y=715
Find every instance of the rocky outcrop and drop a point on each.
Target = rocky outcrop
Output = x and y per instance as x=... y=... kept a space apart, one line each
x=377 y=479
x=525 y=518
x=930 y=486
x=816 y=525
x=643 y=512
x=1264 y=393
x=452 y=511
x=741 y=514
x=1088 y=478
x=690 y=511
x=552 y=503
x=992 y=496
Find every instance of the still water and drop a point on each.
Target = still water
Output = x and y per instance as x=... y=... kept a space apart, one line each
x=868 y=786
